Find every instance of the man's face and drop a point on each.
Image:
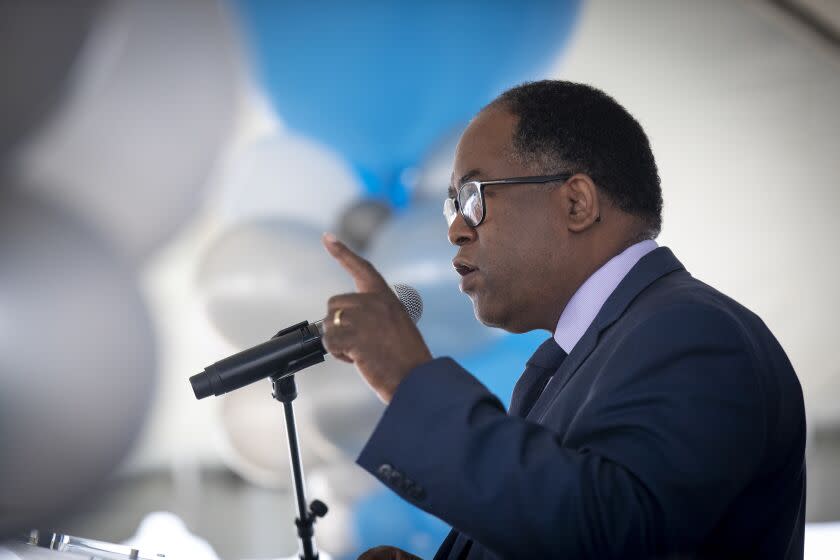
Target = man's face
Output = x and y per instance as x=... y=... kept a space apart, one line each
x=516 y=249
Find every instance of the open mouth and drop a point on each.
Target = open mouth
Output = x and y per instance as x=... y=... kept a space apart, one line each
x=463 y=268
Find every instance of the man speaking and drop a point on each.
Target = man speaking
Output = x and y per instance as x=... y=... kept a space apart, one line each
x=660 y=420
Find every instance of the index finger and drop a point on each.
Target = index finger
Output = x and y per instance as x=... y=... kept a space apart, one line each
x=365 y=276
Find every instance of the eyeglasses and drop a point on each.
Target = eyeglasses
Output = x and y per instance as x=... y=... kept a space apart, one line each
x=469 y=200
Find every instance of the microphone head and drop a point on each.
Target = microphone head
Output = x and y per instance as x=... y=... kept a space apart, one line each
x=410 y=299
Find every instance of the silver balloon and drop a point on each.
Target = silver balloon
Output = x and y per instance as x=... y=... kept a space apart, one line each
x=77 y=360
x=39 y=43
x=288 y=176
x=413 y=248
x=361 y=220
x=262 y=276
x=133 y=144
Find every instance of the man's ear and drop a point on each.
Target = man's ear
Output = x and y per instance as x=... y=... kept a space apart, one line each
x=580 y=201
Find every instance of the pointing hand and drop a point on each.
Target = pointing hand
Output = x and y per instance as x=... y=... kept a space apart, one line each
x=370 y=328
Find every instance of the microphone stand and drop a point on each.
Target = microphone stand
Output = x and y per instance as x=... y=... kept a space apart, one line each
x=284 y=390
x=301 y=349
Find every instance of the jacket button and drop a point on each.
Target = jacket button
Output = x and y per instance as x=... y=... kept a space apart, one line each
x=396 y=478
x=407 y=484
x=385 y=471
x=416 y=493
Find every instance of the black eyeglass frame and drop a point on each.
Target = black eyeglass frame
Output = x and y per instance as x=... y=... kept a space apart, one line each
x=509 y=181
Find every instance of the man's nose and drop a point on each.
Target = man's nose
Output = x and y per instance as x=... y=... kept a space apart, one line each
x=459 y=232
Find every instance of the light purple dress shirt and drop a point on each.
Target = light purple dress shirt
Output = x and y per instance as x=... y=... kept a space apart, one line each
x=592 y=294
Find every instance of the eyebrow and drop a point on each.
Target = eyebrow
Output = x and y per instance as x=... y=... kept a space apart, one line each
x=472 y=173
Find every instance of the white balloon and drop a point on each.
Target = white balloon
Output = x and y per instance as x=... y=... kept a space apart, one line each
x=413 y=248
x=266 y=275
x=343 y=408
x=136 y=139
x=77 y=360
x=255 y=444
x=288 y=176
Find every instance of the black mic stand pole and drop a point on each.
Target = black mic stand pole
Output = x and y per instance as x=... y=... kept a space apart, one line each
x=285 y=391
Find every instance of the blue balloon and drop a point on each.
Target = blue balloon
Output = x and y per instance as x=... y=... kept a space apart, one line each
x=383 y=518
x=500 y=365
x=380 y=81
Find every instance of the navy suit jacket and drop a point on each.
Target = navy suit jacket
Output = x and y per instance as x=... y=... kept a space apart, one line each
x=674 y=429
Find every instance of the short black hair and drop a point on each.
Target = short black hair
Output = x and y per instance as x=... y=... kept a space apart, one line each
x=569 y=127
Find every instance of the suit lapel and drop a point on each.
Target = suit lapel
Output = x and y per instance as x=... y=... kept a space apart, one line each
x=651 y=267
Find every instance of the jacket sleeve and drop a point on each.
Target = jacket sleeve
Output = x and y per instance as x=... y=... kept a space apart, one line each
x=671 y=431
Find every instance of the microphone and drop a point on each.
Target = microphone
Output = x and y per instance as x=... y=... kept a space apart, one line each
x=289 y=351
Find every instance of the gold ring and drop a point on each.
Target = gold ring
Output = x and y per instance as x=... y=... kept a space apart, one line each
x=337 y=317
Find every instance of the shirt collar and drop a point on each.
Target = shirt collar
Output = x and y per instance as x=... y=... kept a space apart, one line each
x=590 y=297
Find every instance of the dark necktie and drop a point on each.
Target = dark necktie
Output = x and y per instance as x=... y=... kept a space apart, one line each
x=538 y=371
x=541 y=366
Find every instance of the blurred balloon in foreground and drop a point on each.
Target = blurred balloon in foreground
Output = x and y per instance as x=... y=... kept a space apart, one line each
x=39 y=42
x=132 y=145
x=77 y=360
x=383 y=80
x=413 y=247
x=361 y=220
x=288 y=176
x=263 y=276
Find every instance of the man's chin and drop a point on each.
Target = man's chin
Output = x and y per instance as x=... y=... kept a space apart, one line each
x=486 y=315
x=498 y=318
